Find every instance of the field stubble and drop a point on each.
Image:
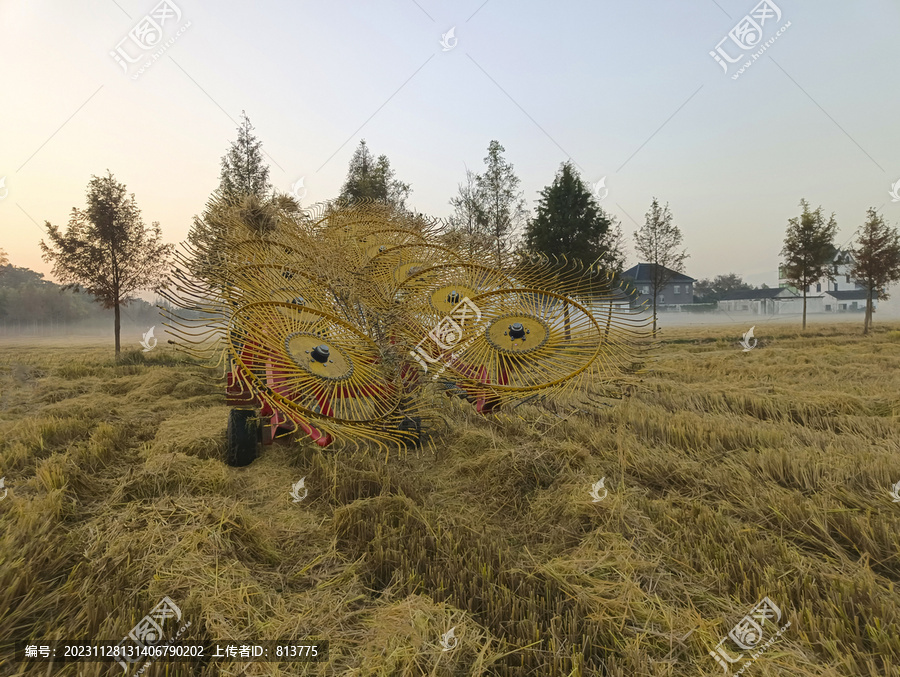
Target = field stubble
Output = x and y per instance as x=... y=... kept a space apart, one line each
x=732 y=476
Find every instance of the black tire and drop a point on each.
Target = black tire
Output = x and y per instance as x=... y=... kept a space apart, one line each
x=243 y=437
x=412 y=424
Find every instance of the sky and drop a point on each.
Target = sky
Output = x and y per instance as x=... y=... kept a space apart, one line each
x=628 y=90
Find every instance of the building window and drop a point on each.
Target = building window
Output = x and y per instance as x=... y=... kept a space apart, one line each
x=827 y=308
x=846 y=279
x=645 y=289
x=662 y=298
x=818 y=286
x=677 y=288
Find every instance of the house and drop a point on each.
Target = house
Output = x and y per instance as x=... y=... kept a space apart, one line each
x=779 y=301
x=841 y=265
x=849 y=300
x=678 y=291
x=842 y=294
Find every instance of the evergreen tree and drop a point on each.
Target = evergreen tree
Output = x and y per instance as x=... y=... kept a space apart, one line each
x=243 y=170
x=808 y=250
x=877 y=255
x=570 y=223
x=504 y=204
x=368 y=178
x=657 y=243
x=243 y=185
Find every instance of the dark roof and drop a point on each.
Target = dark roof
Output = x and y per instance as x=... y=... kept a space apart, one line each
x=850 y=295
x=752 y=294
x=642 y=272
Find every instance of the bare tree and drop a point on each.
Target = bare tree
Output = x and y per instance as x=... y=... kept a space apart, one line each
x=468 y=223
x=107 y=250
x=877 y=255
x=808 y=249
x=657 y=243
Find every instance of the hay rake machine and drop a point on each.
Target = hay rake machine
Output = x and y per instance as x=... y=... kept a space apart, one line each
x=349 y=323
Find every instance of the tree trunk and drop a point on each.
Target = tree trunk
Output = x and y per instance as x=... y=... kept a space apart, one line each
x=867 y=323
x=654 y=313
x=804 y=308
x=118 y=331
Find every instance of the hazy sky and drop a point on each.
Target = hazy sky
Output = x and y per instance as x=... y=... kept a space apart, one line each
x=627 y=89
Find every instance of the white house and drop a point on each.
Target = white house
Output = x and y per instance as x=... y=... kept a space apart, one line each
x=842 y=294
x=780 y=301
x=847 y=301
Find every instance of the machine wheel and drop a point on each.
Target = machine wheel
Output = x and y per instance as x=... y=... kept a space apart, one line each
x=243 y=436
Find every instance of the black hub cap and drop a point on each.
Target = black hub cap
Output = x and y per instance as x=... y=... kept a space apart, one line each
x=320 y=353
x=516 y=331
x=453 y=297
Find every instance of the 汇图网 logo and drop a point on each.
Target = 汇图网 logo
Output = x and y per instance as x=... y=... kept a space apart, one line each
x=152 y=35
x=749 y=633
x=748 y=34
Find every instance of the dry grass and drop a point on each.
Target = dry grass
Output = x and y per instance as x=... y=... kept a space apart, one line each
x=732 y=476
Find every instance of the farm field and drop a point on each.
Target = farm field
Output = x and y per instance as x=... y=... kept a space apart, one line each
x=730 y=477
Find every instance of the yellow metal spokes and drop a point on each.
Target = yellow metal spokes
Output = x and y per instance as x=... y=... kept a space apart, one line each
x=344 y=380
x=565 y=340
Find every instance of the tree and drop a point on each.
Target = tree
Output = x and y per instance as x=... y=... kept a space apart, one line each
x=243 y=170
x=877 y=260
x=468 y=223
x=372 y=179
x=4 y=259
x=570 y=223
x=107 y=248
x=808 y=249
x=243 y=184
x=657 y=243
x=714 y=290
x=613 y=256
x=504 y=204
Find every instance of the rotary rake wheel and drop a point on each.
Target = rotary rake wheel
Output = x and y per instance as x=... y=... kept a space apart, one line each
x=433 y=292
x=521 y=343
x=526 y=340
x=393 y=265
x=314 y=372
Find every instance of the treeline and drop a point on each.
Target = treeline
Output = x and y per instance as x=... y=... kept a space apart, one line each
x=26 y=297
